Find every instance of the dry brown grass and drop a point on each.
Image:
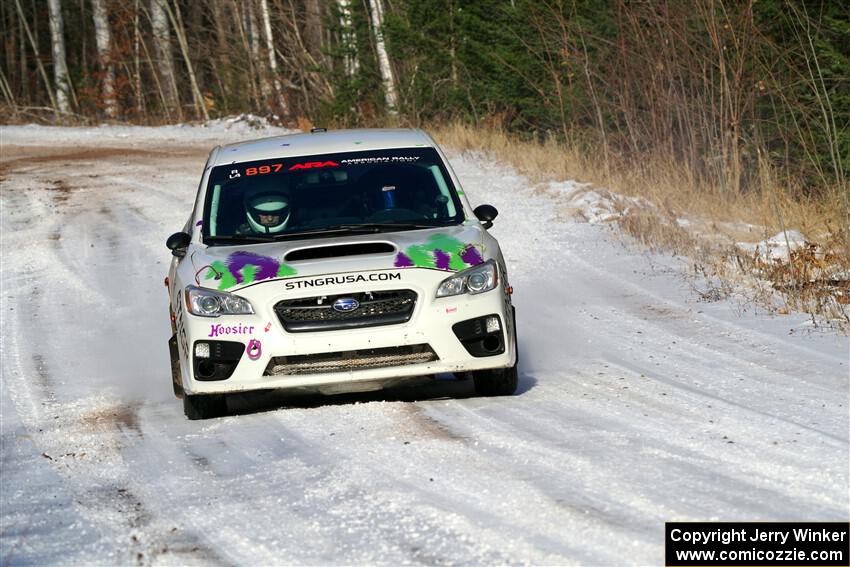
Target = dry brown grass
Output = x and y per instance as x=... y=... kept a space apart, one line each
x=815 y=279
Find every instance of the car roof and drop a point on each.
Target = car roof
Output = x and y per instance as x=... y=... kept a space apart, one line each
x=334 y=141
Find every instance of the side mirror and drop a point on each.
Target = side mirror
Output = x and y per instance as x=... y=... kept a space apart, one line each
x=178 y=243
x=486 y=214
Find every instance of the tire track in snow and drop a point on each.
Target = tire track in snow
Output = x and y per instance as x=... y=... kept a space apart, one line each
x=583 y=466
x=61 y=429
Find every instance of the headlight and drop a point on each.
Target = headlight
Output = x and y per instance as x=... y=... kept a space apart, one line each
x=209 y=303
x=479 y=279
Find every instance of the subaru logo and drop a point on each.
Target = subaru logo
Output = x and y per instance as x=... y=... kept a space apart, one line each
x=346 y=304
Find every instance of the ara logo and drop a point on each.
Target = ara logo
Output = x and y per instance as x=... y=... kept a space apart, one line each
x=313 y=165
x=346 y=304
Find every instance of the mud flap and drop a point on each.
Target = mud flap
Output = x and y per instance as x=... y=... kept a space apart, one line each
x=516 y=337
x=176 y=380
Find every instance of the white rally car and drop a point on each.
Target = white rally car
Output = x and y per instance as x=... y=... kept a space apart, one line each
x=335 y=262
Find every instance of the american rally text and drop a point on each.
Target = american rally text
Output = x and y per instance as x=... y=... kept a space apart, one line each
x=344 y=279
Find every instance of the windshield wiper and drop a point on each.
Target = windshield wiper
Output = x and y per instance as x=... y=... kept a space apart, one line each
x=360 y=228
x=319 y=232
x=397 y=225
x=364 y=228
x=239 y=238
x=329 y=230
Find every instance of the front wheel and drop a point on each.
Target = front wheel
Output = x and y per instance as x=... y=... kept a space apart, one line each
x=496 y=382
x=204 y=406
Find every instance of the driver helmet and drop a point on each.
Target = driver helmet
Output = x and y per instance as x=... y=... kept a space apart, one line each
x=267 y=212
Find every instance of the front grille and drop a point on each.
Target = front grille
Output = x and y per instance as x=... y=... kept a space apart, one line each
x=387 y=307
x=344 y=361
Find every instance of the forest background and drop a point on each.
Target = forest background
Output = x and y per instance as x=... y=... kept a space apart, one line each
x=725 y=111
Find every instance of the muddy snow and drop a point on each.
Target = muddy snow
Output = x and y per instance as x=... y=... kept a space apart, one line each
x=638 y=404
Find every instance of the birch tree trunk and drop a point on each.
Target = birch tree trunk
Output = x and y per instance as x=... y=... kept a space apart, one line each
x=245 y=33
x=252 y=29
x=348 y=38
x=60 y=65
x=251 y=25
x=103 y=39
x=377 y=14
x=164 y=57
x=267 y=28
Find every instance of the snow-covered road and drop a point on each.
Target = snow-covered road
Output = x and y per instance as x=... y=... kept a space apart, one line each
x=637 y=404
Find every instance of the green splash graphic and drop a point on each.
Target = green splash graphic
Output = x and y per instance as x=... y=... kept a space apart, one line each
x=286 y=271
x=246 y=268
x=227 y=279
x=440 y=251
x=249 y=272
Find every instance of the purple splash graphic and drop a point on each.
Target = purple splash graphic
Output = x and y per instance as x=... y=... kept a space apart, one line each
x=267 y=266
x=199 y=223
x=402 y=261
x=471 y=256
x=441 y=259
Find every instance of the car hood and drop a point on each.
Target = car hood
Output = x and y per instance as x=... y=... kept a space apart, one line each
x=234 y=267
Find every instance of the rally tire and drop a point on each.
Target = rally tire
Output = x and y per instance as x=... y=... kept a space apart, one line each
x=496 y=382
x=204 y=406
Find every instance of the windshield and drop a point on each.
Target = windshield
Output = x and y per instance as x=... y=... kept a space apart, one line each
x=322 y=194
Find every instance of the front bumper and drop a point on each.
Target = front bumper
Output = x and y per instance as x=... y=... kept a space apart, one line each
x=266 y=343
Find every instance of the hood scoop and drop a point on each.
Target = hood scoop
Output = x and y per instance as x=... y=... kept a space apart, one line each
x=338 y=250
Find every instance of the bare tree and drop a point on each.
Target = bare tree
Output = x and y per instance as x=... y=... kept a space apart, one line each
x=377 y=15
x=164 y=57
x=177 y=21
x=60 y=65
x=7 y=92
x=348 y=38
x=34 y=45
x=103 y=39
x=252 y=40
x=269 y=37
x=240 y=12
x=313 y=32
x=137 y=62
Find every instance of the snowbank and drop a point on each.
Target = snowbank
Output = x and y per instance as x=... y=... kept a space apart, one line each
x=777 y=247
x=222 y=130
x=595 y=205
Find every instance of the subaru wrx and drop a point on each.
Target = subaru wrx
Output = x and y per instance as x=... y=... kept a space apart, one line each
x=333 y=262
